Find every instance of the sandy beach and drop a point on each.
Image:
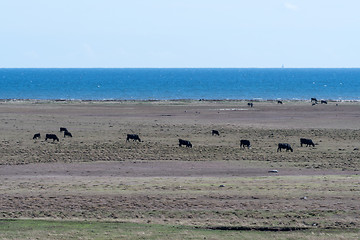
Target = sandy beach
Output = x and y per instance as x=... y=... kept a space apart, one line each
x=97 y=174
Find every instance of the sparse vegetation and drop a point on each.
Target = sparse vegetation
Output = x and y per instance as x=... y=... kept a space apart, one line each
x=97 y=185
x=46 y=229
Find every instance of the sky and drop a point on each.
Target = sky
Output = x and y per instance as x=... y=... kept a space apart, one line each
x=179 y=33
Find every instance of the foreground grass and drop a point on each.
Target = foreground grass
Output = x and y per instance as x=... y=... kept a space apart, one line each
x=49 y=229
x=321 y=202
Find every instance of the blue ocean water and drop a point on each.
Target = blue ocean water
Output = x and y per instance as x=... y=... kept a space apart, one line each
x=186 y=83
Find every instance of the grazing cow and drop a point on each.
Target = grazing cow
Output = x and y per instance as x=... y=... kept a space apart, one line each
x=250 y=104
x=51 y=136
x=280 y=102
x=215 y=132
x=245 y=143
x=62 y=129
x=306 y=141
x=134 y=137
x=284 y=146
x=36 y=135
x=323 y=102
x=185 y=142
x=313 y=100
x=67 y=133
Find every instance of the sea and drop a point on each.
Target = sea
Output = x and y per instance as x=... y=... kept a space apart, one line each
x=180 y=83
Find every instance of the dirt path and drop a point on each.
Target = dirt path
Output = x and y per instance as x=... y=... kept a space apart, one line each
x=157 y=169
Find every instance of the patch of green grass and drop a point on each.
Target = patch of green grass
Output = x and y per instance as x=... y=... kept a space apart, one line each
x=46 y=229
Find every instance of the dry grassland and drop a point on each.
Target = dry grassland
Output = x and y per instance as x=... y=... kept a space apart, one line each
x=98 y=175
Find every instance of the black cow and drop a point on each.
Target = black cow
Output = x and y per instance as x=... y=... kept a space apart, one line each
x=306 y=141
x=215 y=132
x=250 y=104
x=314 y=99
x=62 y=129
x=323 y=102
x=245 y=143
x=36 y=135
x=284 y=146
x=67 y=133
x=51 y=136
x=279 y=102
x=134 y=137
x=185 y=142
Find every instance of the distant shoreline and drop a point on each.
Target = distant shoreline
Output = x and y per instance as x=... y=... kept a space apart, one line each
x=169 y=100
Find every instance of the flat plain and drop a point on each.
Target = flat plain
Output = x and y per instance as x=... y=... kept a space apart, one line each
x=99 y=176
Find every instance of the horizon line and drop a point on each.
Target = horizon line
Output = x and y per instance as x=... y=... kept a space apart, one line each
x=180 y=67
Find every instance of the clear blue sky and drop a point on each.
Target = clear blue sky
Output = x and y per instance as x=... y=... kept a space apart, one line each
x=179 y=33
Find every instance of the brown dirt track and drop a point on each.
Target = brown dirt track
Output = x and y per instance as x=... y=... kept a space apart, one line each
x=97 y=174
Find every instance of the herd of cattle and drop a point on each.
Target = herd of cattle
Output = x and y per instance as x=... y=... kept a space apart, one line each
x=53 y=136
x=313 y=101
x=243 y=142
